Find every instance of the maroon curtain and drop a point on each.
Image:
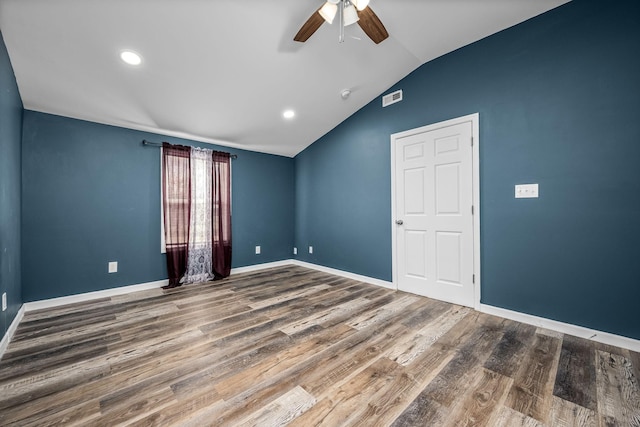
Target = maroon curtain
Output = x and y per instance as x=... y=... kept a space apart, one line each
x=221 y=221
x=176 y=200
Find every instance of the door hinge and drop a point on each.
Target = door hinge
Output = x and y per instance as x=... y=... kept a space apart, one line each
x=473 y=279
x=472 y=141
x=472 y=210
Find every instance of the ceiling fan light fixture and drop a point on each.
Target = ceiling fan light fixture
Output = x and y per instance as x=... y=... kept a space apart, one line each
x=349 y=12
x=350 y=15
x=361 y=4
x=328 y=11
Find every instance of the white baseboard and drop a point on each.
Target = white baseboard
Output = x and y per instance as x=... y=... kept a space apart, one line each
x=256 y=267
x=358 y=277
x=565 y=328
x=329 y=270
x=12 y=330
x=88 y=296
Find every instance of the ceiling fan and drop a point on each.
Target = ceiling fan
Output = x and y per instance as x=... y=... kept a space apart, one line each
x=349 y=12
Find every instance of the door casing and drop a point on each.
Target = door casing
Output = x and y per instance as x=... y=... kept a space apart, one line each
x=475 y=124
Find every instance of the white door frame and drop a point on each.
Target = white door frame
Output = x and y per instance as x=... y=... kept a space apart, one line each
x=475 y=124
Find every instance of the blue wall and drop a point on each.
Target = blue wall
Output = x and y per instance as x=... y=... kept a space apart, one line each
x=559 y=104
x=10 y=135
x=91 y=194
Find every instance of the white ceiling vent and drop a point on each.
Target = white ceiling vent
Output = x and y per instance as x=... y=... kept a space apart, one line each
x=392 y=98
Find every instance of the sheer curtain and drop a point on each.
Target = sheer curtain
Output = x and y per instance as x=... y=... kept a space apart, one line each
x=176 y=190
x=199 y=264
x=197 y=213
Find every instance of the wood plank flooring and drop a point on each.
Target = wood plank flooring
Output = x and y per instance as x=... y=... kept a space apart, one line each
x=292 y=346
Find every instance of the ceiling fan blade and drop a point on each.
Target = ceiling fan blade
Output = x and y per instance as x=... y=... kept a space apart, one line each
x=309 y=27
x=371 y=25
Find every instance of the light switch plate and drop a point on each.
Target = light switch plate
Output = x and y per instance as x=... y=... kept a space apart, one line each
x=310 y=249
x=295 y=251
x=113 y=267
x=257 y=250
x=4 y=301
x=526 y=191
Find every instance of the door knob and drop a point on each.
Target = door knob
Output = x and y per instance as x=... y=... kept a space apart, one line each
x=399 y=222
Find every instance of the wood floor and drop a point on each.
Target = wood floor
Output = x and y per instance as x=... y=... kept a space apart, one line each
x=300 y=347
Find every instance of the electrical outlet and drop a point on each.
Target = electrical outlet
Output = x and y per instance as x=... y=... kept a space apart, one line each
x=4 y=301
x=295 y=251
x=257 y=250
x=526 y=191
x=113 y=267
x=310 y=249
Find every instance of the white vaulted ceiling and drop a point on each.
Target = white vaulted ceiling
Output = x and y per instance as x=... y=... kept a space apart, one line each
x=223 y=71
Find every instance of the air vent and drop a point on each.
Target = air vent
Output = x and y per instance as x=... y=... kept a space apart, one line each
x=392 y=98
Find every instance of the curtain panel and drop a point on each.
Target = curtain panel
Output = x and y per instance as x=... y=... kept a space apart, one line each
x=176 y=181
x=221 y=177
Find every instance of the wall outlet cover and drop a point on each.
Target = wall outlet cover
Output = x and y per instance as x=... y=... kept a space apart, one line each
x=258 y=250
x=310 y=249
x=526 y=191
x=4 y=301
x=113 y=267
x=295 y=251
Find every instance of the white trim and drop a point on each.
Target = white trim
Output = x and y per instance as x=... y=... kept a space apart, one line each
x=88 y=296
x=475 y=132
x=358 y=277
x=394 y=228
x=565 y=328
x=475 y=123
x=10 y=331
x=256 y=267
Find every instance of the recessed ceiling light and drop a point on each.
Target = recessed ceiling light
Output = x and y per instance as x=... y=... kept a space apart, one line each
x=130 y=57
x=288 y=114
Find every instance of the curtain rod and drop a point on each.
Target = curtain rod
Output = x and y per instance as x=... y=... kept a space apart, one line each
x=157 y=144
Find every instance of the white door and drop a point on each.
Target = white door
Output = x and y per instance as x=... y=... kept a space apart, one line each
x=434 y=224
